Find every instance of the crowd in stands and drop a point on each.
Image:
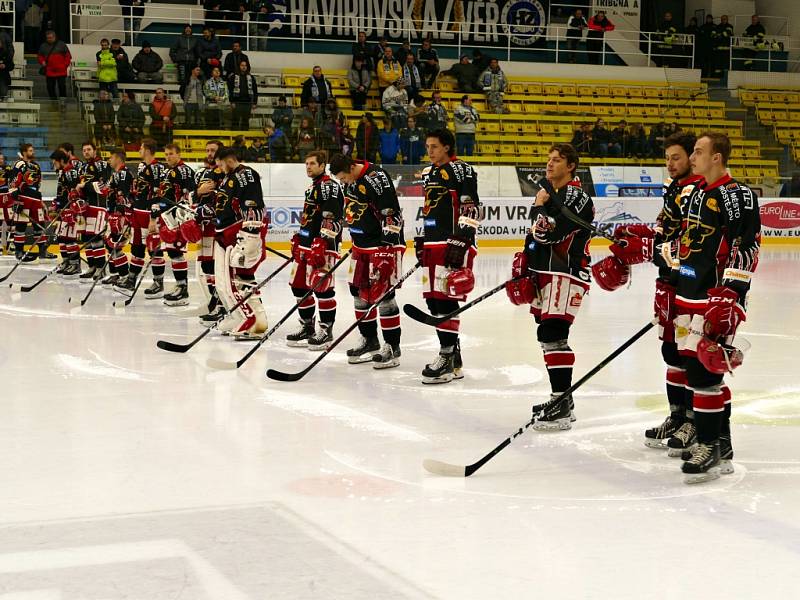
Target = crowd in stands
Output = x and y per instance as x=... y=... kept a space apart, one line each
x=623 y=141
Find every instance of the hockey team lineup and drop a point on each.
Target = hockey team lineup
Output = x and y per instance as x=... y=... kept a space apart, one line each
x=705 y=247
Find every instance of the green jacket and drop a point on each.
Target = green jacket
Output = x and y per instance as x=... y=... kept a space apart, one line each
x=106 y=67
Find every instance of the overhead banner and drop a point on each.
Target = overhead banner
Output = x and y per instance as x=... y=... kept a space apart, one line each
x=624 y=14
x=477 y=22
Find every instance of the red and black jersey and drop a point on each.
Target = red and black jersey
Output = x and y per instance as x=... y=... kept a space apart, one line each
x=177 y=185
x=670 y=225
x=207 y=173
x=720 y=241
x=121 y=182
x=68 y=179
x=367 y=201
x=323 y=197
x=6 y=177
x=95 y=171
x=565 y=248
x=148 y=178
x=239 y=198
x=27 y=178
x=447 y=188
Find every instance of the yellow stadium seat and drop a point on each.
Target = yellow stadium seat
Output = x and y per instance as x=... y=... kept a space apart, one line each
x=530 y=127
x=487 y=148
x=552 y=89
x=635 y=92
x=526 y=149
x=514 y=107
x=516 y=88
x=601 y=91
x=507 y=149
x=569 y=90
x=534 y=89
x=491 y=126
x=530 y=108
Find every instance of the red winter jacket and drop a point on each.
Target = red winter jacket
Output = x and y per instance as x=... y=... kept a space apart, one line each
x=604 y=25
x=55 y=58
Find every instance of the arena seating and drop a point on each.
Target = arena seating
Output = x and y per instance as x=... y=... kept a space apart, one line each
x=779 y=110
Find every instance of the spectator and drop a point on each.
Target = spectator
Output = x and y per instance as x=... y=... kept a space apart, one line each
x=466 y=119
x=130 y=119
x=262 y=24
x=104 y=117
x=601 y=140
x=234 y=60
x=367 y=138
x=216 y=92
x=756 y=32
x=378 y=52
x=411 y=76
x=332 y=112
x=582 y=139
x=106 y=68
x=283 y=116
x=348 y=142
x=395 y=102
x=236 y=17
x=429 y=63
x=693 y=29
x=403 y=51
x=8 y=42
x=6 y=66
x=54 y=58
x=359 y=80
x=412 y=143
x=124 y=70
x=328 y=137
x=437 y=113
x=705 y=44
x=208 y=52
x=215 y=14
x=32 y=24
x=148 y=65
x=595 y=39
x=493 y=82
x=418 y=110
x=312 y=111
x=239 y=146
x=316 y=88
x=243 y=95
x=466 y=75
x=618 y=145
x=637 y=141
x=132 y=13
x=388 y=70
x=655 y=143
x=194 y=101
x=575 y=26
x=257 y=153
x=722 y=44
x=666 y=40
x=20 y=8
x=306 y=139
x=183 y=55
x=389 y=144
x=280 y=148
x=360 y=49
x=162 y=118
x=480 y=60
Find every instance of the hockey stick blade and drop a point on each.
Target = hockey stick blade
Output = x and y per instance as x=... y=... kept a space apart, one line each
x=423 y=317
x=29 y=288
x=221 y=365
x=181 y=348
x=420 y=315
x=444 y=469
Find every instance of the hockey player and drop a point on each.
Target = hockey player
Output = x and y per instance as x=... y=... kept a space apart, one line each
x=718 y=255
x=174 y=191
x=149 y=175
x=92 y=212
x=557 y=258
x=451 y=217
x=67 y=232
x=239 y=246
x=207 y=179
x=373 y=215
x=25 y=191
x=120 y=215
x=315 y=249
x=6 y=206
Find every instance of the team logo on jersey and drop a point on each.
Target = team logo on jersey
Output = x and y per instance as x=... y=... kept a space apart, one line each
x=362 y=188
x=693 y=238
x=354 y=210
x=433 y=195
x=712 y=204
x=444 y=175
x=230 y=183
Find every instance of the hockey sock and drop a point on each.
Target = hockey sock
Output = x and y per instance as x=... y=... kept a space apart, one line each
x=207 y=266
x=369 y=326
x=306 y=310
x=120 y=263
x=19 y=236
x=676 y=392
x=180 y=266
x=159 y=265
x=327 y=306
x=559 y=360
x=447 y=332
x=390 y=321
x=726 y=419
x=709 y=413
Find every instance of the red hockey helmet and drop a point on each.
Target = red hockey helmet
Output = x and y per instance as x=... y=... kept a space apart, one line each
x=522 y=291
x=460 y=282
x=719 y=358
x=610 y=273
x=191 y=232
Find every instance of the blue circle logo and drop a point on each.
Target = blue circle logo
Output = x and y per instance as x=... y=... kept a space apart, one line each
x=524 y=21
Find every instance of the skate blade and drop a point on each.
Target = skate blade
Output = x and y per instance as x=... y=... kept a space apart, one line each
x=301 y=344
x=156 y=297
x=726 y=467
x=710 y=475
x=676 y=452
x=458 y=374
x=572 y=417
x=386 y=365
x=434 y=380
x=357 y=360
x=655 y=444
x=320 y=348
x=180 y=303
x=557 y=425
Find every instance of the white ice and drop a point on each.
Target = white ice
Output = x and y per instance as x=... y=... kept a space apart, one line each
x=129 y=472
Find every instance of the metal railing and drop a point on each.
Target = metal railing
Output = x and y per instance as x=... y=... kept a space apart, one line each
x=294 y=31
x=771 y=54
x=7 y=11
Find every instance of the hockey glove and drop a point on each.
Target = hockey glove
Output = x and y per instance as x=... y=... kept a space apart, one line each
x=296 y=251
x=639 y=230
x=316 y=256
x=455 y=251
x=330 y=226
x=153 y=242
x=391 y=227
x=634 y=251
x=664 y=303
x=724 y=313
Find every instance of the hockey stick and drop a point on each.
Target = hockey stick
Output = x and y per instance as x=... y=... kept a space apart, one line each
x=225 y=365
x=172 y=347
x=277 y=253
x=138 y=283
x=423 y=317
x=116 y=247
x=46 y=231
x=281 y=376
x=438 y=467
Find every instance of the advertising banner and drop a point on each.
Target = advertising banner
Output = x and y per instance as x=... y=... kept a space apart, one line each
x=628 y=181
x=780 y=218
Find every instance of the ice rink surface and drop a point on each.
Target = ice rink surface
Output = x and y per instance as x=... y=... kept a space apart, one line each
x=129 y=472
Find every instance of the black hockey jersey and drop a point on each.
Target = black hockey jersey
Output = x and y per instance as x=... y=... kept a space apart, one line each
x=323 y=196
x=95 y=171
x=565 y=248
x=120 y=183
x=670 y=226
x=239 y=198
x=148 y=178
x=68 y=179
x=27 y=179
x=207 y=173
x=720 y=241
x=178 y=185
x=6 y=172
x=447 y=187
x=367 y=201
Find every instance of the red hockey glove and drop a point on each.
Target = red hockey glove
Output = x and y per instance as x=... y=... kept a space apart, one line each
x=316 y=256
x=153 y=242
x=296 y=252
x=458 y=282
x=634 y=251
x=639 y=230
x=611 y=274
x=664 y=303
x=330 y=227
x=191 y=232
x=519 y=266
x=724 y=313
x=522 y=291
x=319 y=282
